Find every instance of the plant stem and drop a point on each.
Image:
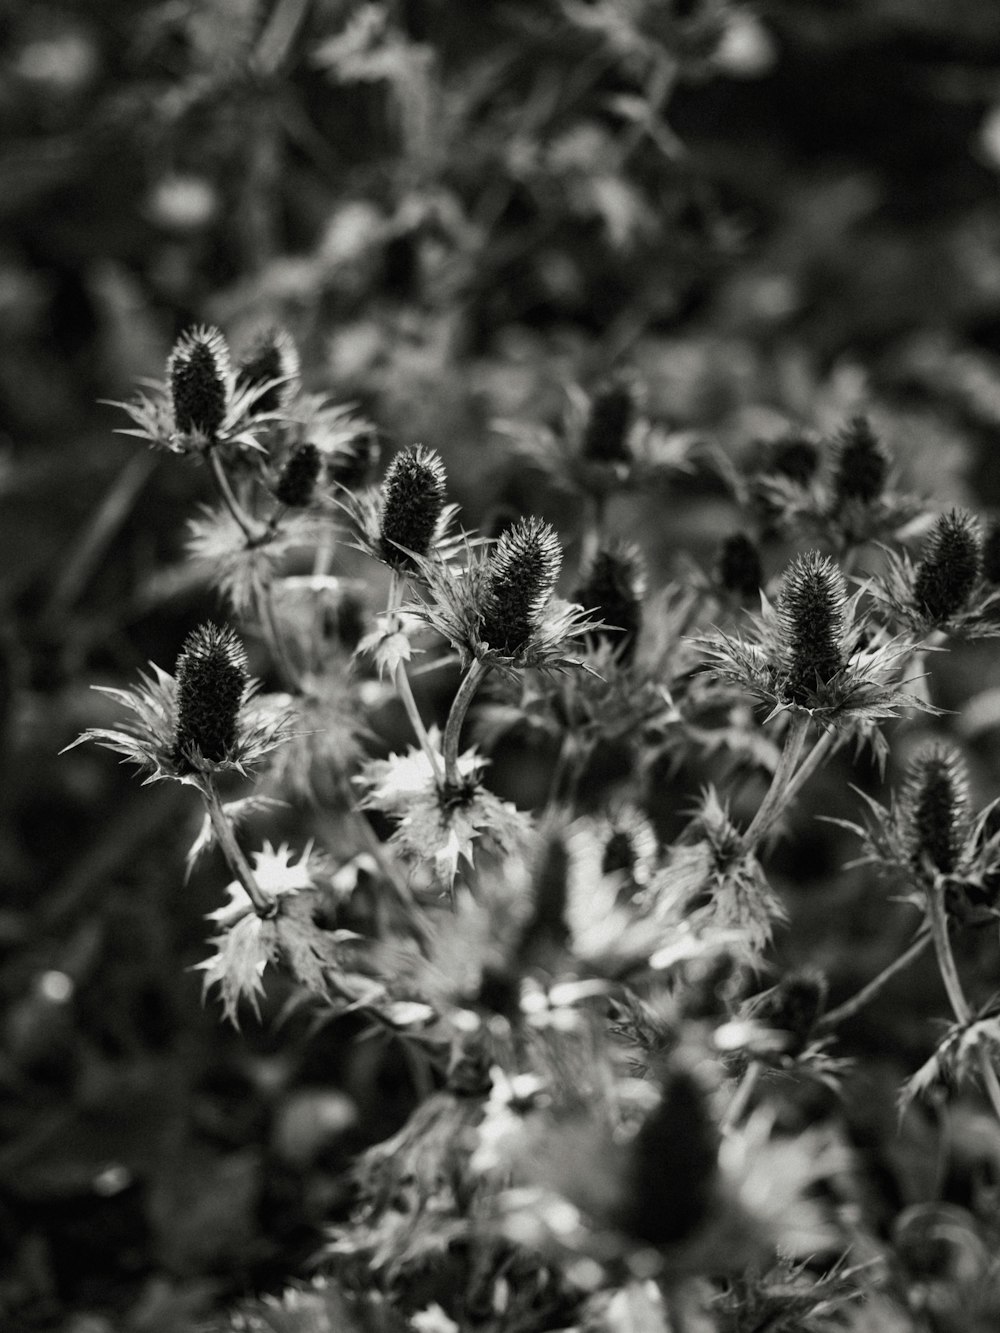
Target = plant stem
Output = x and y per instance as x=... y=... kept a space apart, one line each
x=264 y=905
x=275 y=643
x=810 y=764
x=453 y=727
x=868 y=992
x=937 y=917
x=402 y=682
x=777 y=794
x=741 y=1097
x=239 y=515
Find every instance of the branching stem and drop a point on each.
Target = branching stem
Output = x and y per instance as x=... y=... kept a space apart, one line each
x=264 y=905
x=239 y=515
x=453 y=728
x=777 y=794
x=868 y=992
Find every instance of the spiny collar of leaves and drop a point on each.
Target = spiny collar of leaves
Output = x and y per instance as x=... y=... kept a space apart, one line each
x=816 y=651
x=956 y=1059
x=200 y=404
x=944 y=589
x=493 y=588
x=243 y=568
x=162 y=736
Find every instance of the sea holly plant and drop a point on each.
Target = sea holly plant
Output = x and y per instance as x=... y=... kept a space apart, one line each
x=584 y=977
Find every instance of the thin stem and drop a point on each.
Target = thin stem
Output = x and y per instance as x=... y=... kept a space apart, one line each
x=741 y=1097
x=777 y=793
x=239 y=515
x=810 y=764
x=264 y=905
x=402 y=682
x=276 y=644
x=868 y=992
x=937 y=917
x=453 y=727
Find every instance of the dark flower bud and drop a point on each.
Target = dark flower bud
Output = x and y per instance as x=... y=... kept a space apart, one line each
x=521 y=572
x=950 y=564
x=352 y=463
x=272 y=356
x=612 y=591
x=794 y=458
x=794 y=1006
x=298 y=477
x=198 y=370
x=211 y=681
x=812 y=610
x=991 y=554
x=672 y=1166
x=413 y=494
x=862 y=463
x=738 y=567
x=546 y=928
x=936 y=804
x=605 y=437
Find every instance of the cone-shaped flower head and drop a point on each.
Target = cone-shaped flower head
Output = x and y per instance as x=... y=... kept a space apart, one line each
x=353 y=463
x=794 y=1006
x=413 y=496
x=271 y=356
x=862 y=463
x=520 y=575
x=812 y=608
x=949 y=566
x=198 y=370
x=991 y=554
x=672 y=1165
x=297 y=481
x=211 y=682
x=605 y=436
x=739 y=567
x=794 y=458
x=935 y=803
x=612 y=589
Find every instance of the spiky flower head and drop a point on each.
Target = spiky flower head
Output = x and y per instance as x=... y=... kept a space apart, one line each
x=949 y=566
x=794 y=1006
x=991 y=554
x=862 y=463
x=297 y=482
x=612 y=587
x=605 y=436
x=352 y=463
x=812 y=609
x=412 y=501
x=519 y=578
x=198 y=371
x=739 y=568
x=935 y=807
x=271 y=365
x=793 y=457
x=211 y=681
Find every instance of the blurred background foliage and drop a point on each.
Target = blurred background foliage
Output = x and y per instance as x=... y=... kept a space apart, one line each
x=772 y=214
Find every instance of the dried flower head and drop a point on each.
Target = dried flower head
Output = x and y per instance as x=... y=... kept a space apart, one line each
x=212 y=678
x=949 y=567
x=812 y=609
x=296 y=484
x=520 y=575
x=612 y=587
x=862 y=464
x=605 y=436
x=198 y=370
x=738 y=567
x=270 y=365
x=935 y=805
x=412 y=502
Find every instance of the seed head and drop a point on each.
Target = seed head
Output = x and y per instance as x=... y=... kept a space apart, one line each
x=271 y=356
x=739 y=568
x=298 y=477
x=198 y=370
x=605 y=437
x=351 y=465
x=949 y=566
x=794 y=1006
x=612 y=588
x=991 y=554
x=812 y=610
x=935 y=802
x=211 y=681
x=672 y=1165
x=521 y=572
x=794 y=458
x=862 y=463
x=413 y=494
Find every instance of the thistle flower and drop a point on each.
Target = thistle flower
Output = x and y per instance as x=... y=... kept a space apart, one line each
x=949 y=567
x=198 y=370
x=605 y=436
x=812 y=609
x=413 y=494
x=271 y=366
x=862 y=464
x=521 y=572
x=612 y=587
x=211 y=681
x=352 y=461
x=738 y=567
x=794 y=1006
x=794 y=457
x=297 y=482
x=935 y=805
